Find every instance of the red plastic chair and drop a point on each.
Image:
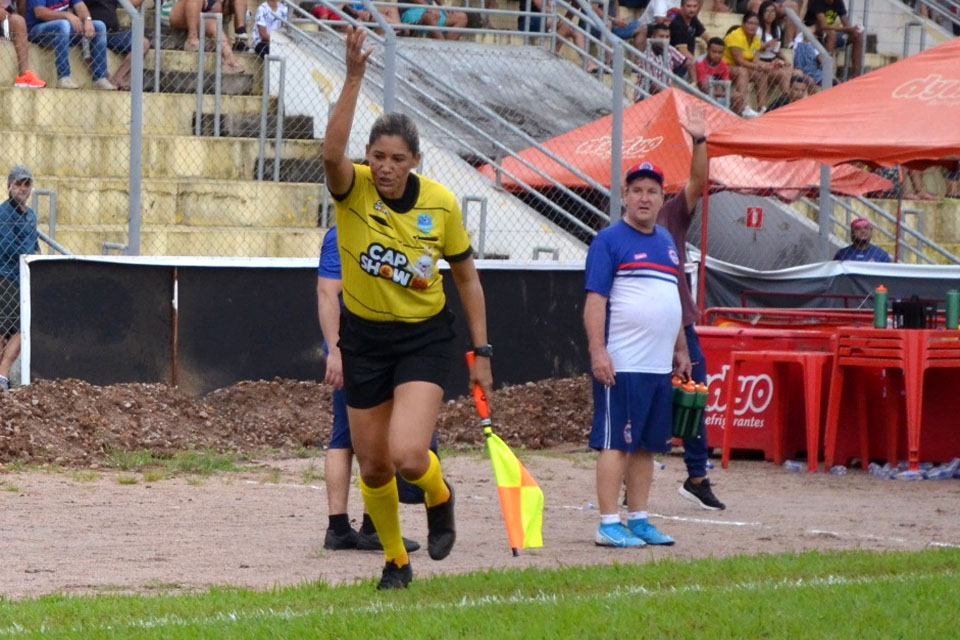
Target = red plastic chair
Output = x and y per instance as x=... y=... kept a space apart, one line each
x=912 y=351
x=811 y=364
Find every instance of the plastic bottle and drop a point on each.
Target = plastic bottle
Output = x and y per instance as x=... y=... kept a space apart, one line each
x=696 y=414
x=682 y=410
x=793 y=465
x=85 y=48
x=838 y=470
x=908 y=475
x=880 y=308
x=875 y=470
x=953 y=308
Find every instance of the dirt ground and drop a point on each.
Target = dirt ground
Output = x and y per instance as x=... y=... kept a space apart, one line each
x=66 y=530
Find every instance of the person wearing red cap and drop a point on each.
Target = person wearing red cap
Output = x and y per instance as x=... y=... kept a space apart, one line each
x=861 y=249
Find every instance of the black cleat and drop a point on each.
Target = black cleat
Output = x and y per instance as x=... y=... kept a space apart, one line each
x=371 y=542
x=338 y=542
x=441 y=532
x=394 y=577
x=701 y=494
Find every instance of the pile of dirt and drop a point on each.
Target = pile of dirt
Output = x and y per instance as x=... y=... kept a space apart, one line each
x=73 y=423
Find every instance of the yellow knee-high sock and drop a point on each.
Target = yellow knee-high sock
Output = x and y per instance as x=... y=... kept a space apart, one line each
x=434 y=488
x=382 y=504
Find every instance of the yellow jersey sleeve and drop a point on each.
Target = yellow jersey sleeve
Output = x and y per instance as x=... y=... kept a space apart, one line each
x=389 y=258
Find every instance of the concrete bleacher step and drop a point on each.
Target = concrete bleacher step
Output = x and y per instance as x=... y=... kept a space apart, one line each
x=226 y=241
x=192 y=203
x=109 y=111
x=107 y=156
x=295 y=169
x=247 y=125
x=240 y=84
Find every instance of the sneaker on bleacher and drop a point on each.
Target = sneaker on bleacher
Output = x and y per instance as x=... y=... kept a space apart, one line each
x=66 y=82
x=29 y=80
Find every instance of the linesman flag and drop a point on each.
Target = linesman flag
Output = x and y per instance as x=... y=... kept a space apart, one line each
x=520 y=496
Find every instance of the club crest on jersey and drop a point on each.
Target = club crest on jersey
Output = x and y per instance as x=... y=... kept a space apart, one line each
x=379 y=206
x=673 y=256
x=382 y=262
x=425 y=222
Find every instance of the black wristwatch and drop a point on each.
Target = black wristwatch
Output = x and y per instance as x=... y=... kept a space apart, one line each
x=485 y=350
x=699 y=140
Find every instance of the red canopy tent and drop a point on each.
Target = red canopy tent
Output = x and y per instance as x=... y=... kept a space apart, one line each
x=652 y=132
x=905 y=112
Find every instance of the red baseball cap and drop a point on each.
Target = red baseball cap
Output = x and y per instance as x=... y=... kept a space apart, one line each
x=859 y=222
x=644 y=170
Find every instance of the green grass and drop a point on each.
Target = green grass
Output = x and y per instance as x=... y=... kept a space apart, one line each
x=9 y=486
x=813 y=595
x=311 y=474
x=198 y=462
x=85 y=475
x=125 y=479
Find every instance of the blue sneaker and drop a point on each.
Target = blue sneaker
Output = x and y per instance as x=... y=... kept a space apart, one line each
x=617 y=535
x=648 y=533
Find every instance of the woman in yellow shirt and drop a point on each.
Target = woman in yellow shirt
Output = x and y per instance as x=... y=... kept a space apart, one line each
x=395 y=331
x=742 y=45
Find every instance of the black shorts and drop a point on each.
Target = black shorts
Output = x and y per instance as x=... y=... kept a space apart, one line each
x=9 y=307
x=379 y=356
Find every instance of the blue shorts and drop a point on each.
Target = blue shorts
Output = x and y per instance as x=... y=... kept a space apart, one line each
x=340 y=436
x=120 y=41
x=634 y=414
x=414 y=16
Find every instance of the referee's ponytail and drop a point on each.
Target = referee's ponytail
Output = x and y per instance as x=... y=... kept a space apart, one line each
x=397 y=124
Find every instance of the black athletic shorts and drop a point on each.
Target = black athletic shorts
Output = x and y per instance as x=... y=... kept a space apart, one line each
x=9 y=307
x=378 y=356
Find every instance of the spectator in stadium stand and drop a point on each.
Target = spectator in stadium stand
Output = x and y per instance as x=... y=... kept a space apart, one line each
x=396 y=331
x=742 y=44
x=564 y=29
x=237 y=9
x=781 y=7
x=685 y=28
x=860 y=249
x=830 y=22
x=798 y=91
x=653 y=63
x=676 y=216
x=338 y=460
x=118 y=39
x=807 y=61
x=634 y=316
x=713 y=66
x=16 y=28
x=430 y=16
x=185 y=16
x=57 y=24
x=953 y=183
x=357 y=11
x=632 y=30
x=269 y=18
x=18 y=236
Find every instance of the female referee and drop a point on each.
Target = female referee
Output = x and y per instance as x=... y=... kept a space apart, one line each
x=395 y=332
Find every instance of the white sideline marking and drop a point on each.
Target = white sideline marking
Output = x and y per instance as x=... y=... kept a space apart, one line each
x=946 y=545
x=854 y=536
x=14 y=628
x=730 y=523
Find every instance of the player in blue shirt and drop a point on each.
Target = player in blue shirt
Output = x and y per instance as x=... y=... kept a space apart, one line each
x=632 y=317
x=861 y=232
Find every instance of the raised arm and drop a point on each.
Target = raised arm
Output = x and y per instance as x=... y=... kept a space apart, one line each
x=696 y=126
x=338 y=169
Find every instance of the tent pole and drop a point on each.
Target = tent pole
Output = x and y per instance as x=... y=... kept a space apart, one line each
x=704 y=219
x=896 y=242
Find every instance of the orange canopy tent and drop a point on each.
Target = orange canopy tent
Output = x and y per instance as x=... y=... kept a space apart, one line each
x=903 y=112
x=652 y=132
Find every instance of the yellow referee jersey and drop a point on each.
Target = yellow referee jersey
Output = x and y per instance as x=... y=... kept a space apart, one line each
x=389 y=257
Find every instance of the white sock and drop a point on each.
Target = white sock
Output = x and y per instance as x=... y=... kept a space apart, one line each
x=637 y=515
x=609 y=518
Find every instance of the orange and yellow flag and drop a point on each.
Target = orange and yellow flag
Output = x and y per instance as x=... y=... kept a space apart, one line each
x=520 y=496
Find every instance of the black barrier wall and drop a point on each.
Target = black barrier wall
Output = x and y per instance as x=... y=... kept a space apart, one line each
x=110 y=322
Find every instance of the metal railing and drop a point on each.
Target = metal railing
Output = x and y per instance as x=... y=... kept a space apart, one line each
x=947 y=10
x=217 y=72
x=51 y=196
x=906 y=36
x=278 y=135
